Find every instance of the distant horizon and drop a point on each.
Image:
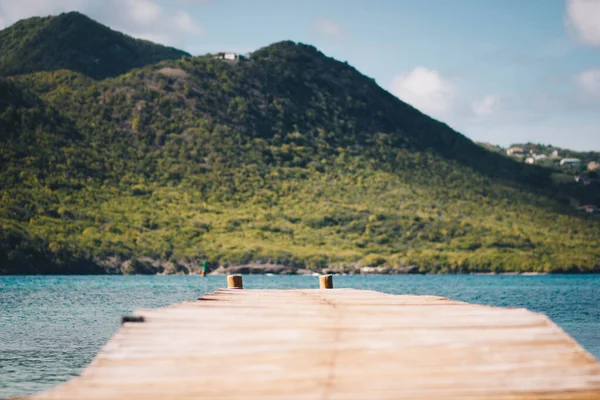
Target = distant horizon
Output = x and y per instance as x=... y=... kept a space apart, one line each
x=497 y=72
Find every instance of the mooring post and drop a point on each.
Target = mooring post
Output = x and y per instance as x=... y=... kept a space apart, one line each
x=234 y=282
x=326 y=281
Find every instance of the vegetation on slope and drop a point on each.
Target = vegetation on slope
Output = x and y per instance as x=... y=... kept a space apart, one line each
x=289 y=157
x=566 y=188
x=75 y=42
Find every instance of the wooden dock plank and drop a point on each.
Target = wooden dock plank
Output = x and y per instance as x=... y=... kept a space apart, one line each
x=336 y=344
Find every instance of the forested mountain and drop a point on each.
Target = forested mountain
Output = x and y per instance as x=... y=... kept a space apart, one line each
x=75 y=42
x=285 y=157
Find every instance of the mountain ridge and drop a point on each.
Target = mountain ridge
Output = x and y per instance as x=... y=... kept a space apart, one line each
x=286 y=157
x=74 y=41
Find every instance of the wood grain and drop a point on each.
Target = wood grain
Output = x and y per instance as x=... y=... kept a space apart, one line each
x=336 y=344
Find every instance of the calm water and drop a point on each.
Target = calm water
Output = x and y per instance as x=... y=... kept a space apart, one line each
x=51 y=327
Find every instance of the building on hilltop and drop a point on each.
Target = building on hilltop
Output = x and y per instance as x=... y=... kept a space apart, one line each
x=570 y=161
x=515 y=151
x=588 y=178
x=229 y=56
x=535 y=158
x=226 y=56
x=583 y=179
x=590 y=208
x=592 y=166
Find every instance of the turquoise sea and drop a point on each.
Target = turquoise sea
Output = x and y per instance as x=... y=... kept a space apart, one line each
x=52 y=326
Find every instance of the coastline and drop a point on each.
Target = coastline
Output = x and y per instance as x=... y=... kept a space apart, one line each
x=279 y=270
x=151 y=266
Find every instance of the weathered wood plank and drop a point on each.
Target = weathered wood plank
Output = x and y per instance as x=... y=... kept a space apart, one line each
x=336 y=344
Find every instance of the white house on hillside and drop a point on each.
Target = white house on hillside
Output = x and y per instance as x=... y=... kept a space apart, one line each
x=570 y=161
x=513 y=151
x=227 y=56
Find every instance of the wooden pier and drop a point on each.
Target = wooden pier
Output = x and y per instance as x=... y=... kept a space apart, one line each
x=336 y=344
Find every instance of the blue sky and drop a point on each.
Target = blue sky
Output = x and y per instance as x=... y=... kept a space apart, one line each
x=500 y=71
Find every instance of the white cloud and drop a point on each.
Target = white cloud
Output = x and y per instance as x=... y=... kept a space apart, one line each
x=201 y=2
x=589 y=81
x=185 y=23
x=583 y=17
x=143 y=11
x=331 y=29
x=426 y=90
x=484 y=107
x=12 y=11
x=144 y=19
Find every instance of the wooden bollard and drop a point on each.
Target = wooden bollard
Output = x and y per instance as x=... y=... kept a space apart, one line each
x=234 y=282
x=326 y=281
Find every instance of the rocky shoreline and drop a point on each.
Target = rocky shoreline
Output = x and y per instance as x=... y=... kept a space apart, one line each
x=146 y=265
x=282 y=270
x=152 y=266
x=255 y=269
x=149 y=266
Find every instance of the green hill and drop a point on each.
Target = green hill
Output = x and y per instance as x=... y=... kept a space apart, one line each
x=75 y=42
x=287 y=157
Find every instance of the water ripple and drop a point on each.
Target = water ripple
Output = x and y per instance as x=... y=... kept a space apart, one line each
x=51 y=327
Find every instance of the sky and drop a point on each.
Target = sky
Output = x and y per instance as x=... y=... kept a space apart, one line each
x=499 y=71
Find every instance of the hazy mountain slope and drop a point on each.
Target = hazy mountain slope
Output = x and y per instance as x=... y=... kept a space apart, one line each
x=75 y=42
